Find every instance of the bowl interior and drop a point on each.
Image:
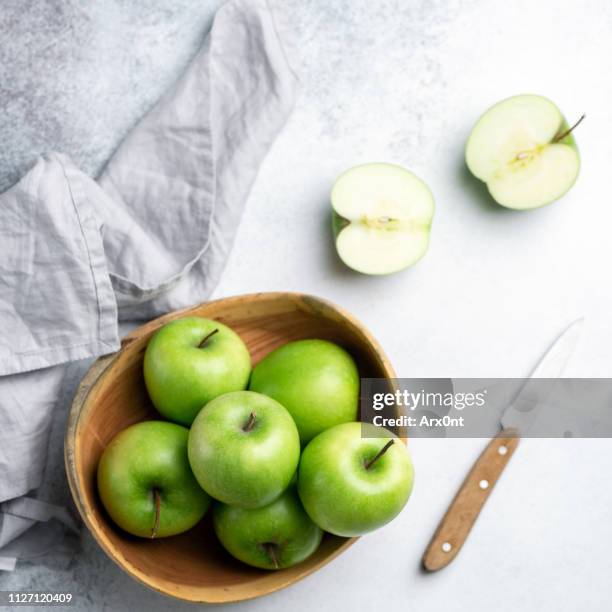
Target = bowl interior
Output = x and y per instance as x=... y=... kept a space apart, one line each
x=193 y=565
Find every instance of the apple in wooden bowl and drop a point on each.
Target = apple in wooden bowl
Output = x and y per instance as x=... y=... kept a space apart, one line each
x=193 y=566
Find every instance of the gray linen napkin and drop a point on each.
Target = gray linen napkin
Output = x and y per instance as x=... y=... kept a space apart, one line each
x=151 y=235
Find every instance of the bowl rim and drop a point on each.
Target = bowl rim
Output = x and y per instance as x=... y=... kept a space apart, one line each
x=98 y=371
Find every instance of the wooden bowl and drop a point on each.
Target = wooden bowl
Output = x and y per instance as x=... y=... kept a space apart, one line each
x=193 y=566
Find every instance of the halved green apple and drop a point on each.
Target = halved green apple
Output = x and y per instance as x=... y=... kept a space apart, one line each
x=382 y=216
x=523 y=149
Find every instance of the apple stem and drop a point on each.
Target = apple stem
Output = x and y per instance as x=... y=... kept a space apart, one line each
x=157 y=500
x=379 y=454
x=207 y=338
x=249 y=424
x=569 y=130
x=271 y=549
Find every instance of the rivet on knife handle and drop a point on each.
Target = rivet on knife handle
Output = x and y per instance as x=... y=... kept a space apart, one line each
x=465 y=508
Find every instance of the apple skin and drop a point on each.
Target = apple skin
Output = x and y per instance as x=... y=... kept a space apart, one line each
x=339 y=493
x=338 y=223
x=143 y=458
x=282 y=525
x=181 y=377
x=238 y=465
x=315 y=380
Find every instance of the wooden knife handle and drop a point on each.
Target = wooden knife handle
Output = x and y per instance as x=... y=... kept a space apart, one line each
x=465 y=508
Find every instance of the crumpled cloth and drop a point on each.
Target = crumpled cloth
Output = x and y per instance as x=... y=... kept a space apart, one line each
x=152 y=234
x=31 y=528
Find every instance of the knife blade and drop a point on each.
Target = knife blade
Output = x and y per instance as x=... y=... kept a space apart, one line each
x=522 y=412
x=461 y=515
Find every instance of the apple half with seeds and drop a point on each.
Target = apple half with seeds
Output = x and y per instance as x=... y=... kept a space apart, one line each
x=382 y=216
x=525 y=152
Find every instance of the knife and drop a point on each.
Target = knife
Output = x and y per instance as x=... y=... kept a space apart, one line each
x=515 y=421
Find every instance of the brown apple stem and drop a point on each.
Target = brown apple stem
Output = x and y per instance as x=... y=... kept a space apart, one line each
x=207 y=338
x=379 y=454
x=249 y=424
x=271 y=549
x=157 y=501
x=569 y=130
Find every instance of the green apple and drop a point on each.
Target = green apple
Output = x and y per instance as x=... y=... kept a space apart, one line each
x=146 y=484
x=273 y=537
x=315 y=380
x=189 y=362
x=244 y=449
x=350 y=483
x=382 y=215
x=523 y=149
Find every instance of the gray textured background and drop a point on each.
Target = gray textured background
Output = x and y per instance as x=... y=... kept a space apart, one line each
x=401 y=81
x=76 y=75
